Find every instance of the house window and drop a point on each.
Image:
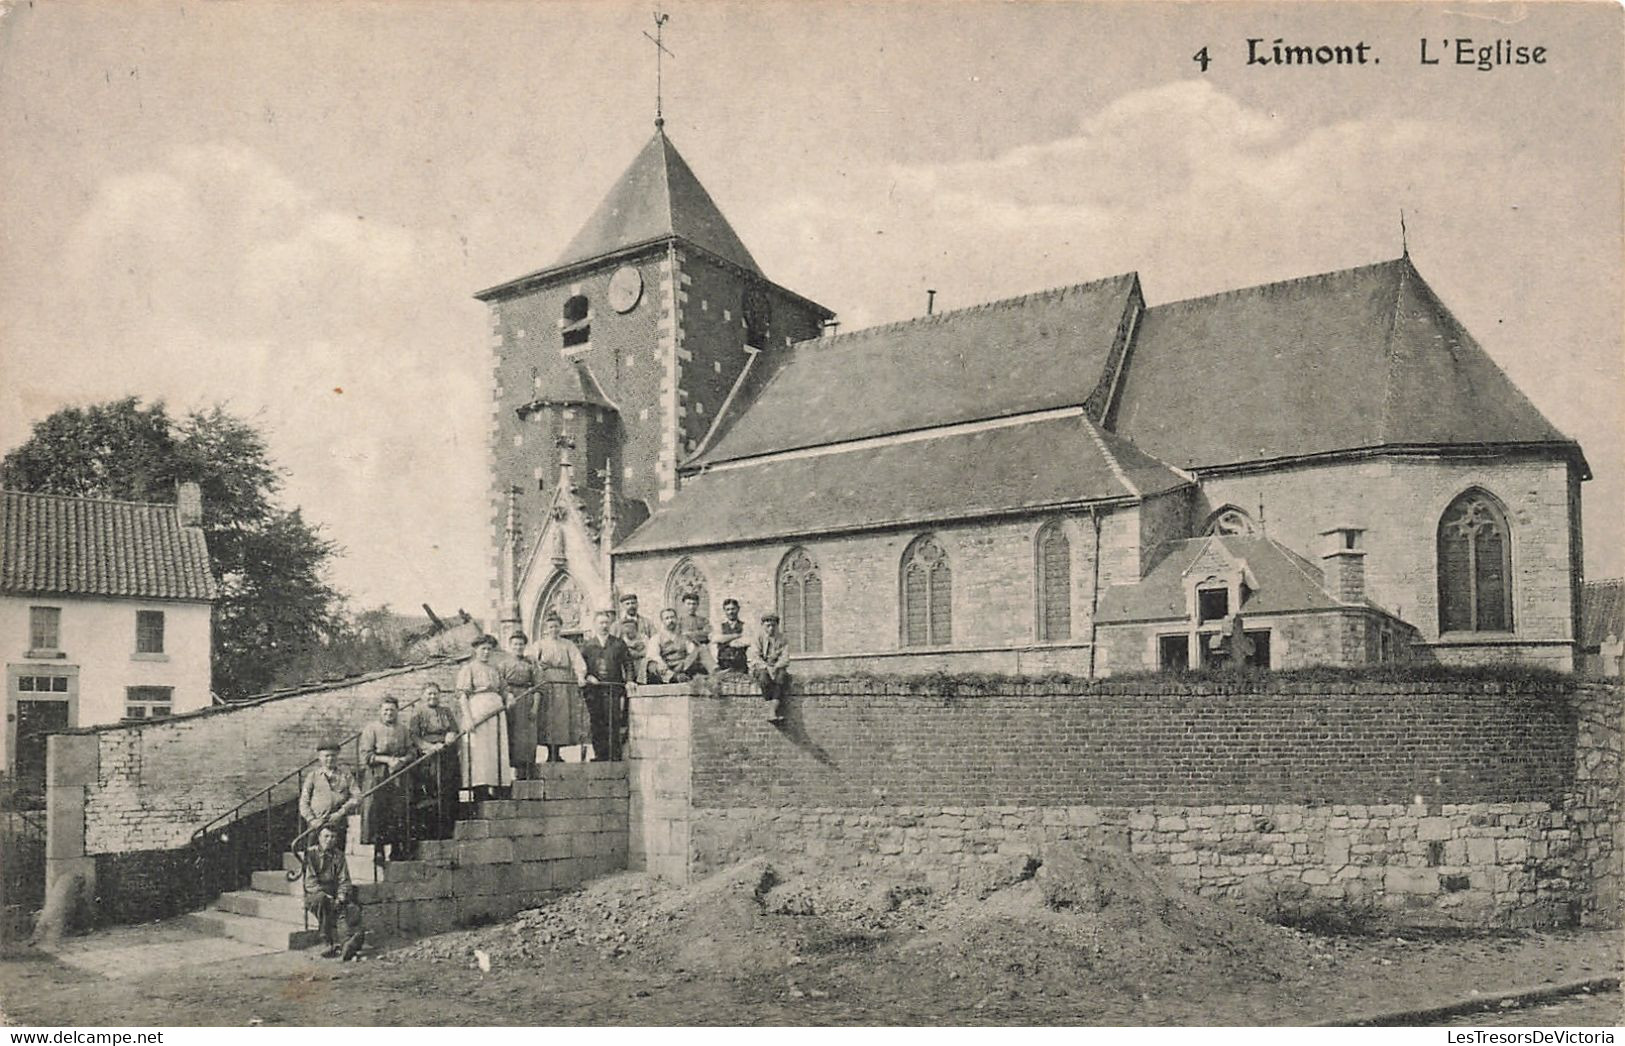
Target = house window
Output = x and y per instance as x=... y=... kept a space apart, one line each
x=1054 y=583
x=148 y=702
x=927 y=594
x=577 y=317
x=1173 y=653
x=149 y=631
x=42 y=684
x=801 y=603
x=1475 y=566
x=44 y=628
x=1212 y=604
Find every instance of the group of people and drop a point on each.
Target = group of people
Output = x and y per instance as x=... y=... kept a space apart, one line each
x=539 y=699
x=683 y=647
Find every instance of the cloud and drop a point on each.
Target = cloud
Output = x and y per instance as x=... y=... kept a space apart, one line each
x=1182 y=182
x=216 y=276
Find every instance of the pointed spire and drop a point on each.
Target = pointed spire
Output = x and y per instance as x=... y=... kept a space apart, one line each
x=512 y=619
x=606 y=526
x=656 y=197
x=1404 y=241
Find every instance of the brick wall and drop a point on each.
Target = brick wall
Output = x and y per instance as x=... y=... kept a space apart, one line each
x=1466 y=803
x=154 y=783
x=1139 y=743
x=1399 y=501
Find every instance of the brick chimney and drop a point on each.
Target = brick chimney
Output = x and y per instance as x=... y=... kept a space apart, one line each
x=189 y=504
x=1344 y=563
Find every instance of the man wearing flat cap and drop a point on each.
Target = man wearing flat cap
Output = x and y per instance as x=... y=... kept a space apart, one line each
x=329 y=795
x=769 y=657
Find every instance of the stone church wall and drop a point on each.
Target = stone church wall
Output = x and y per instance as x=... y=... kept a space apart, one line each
x=994 y=592
x=1399 y=502
x=1433 y=803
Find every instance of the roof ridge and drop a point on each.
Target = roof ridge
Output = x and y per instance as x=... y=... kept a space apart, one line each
x=1390 y=362
x=1236 y=292
x=847 y=337
x=1111 y=459
x=8 y=491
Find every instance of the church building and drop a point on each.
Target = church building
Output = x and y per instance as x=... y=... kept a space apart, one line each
x=1323 y=471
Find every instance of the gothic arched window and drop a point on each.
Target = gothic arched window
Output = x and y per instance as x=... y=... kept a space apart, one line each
x=928 y=585
x=801 y=602
x=1054 y=554
x=577 y=321
x=1475 y=566
x=686 y=578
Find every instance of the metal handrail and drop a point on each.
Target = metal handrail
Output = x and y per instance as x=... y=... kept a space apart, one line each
x=390 y=778
x=265 y=793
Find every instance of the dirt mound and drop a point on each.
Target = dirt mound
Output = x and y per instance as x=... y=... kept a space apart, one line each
x=1078 y=920
x=1086 y=919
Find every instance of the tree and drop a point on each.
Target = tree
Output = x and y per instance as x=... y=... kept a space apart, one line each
x=275 y=603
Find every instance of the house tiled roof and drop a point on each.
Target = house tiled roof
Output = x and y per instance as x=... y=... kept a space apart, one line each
x=1361 y=358
x=1038 y=352
x=1286 y=581
x=55 y=545
x=1602 y=611
x=1054 y=461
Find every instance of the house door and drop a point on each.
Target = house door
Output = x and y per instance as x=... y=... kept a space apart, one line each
x=35 y=719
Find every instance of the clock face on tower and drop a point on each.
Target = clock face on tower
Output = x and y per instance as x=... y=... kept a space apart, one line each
x=625 y=288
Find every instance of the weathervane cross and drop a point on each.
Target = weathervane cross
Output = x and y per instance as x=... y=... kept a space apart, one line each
x=660 y=49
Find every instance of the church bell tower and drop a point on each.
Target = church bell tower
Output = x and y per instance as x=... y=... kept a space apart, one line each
x=621 y=355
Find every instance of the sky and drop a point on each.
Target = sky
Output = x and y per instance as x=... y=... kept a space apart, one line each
x=287 y=208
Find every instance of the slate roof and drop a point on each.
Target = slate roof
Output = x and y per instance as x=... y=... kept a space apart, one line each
x=1029 y=465
x=1602 y=611
x=656 y=197
x=568 y=382
x=1361 y=358
x=55 y=545
x=1032 y=353
x=1286 y=581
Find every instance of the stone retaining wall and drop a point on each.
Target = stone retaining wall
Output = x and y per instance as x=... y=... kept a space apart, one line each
x=1477 y=804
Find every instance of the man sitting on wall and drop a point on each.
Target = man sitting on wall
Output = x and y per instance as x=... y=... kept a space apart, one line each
x=330 y=896
x=329 y=795
x=734 y=642
x=696 y=628
x=679 y=659
x=769 y=656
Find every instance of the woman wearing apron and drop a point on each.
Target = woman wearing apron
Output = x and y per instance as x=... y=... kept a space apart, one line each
x=480 y=697
x=564 y=711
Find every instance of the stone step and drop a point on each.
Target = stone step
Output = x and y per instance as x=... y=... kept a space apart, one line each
x=281 y=907
x=276 y=881
x=267 y=932
x=360 y=866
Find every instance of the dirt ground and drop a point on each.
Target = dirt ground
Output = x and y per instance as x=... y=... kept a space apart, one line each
x=1088 y=937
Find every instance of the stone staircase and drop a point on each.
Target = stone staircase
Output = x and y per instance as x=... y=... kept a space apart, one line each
x=507 y=855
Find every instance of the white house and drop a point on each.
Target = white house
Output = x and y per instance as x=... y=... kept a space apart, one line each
x=104 y=615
